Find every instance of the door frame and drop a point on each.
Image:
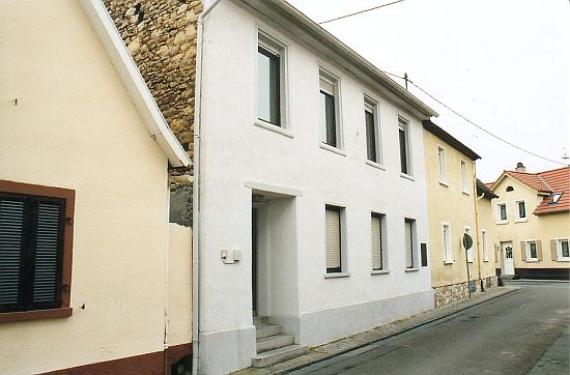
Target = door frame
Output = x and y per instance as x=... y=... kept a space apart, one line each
x=504 y=244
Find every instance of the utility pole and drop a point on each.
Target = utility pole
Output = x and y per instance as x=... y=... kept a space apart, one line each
x=406 y=80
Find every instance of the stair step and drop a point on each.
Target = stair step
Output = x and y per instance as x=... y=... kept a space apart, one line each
x=273 y=342
x=267 y=330
x=279 y=355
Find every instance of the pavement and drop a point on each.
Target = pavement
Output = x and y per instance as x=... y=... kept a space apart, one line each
x=363 y=353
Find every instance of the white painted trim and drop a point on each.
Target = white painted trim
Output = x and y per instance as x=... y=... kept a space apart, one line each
x=375 y=165
x=527 y=243
x=519 y=219
x=404 y=124
x=443 y=180
x=327 y=75
x=330 y=148
x=498 y=213
x=337 y=275
x=273 y=188
x=274 y=128
x=374 y=106
x=379 y=272
x=447 y=260
x=559 y=257
x=131 y=77
x=464 y=179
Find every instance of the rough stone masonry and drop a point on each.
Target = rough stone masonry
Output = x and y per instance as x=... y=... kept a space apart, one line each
x=161 y=36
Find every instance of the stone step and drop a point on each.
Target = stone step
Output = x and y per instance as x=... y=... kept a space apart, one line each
x=267 y=330
x=279 y=355
x=273 y=342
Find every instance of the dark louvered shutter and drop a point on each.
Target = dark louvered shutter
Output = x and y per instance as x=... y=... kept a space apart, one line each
x=11 y=244
x=31 y=251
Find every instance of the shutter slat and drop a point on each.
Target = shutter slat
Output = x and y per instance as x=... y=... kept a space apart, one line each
x=11 y=238
x=333 y=238
x=376 y=241
x=47 y=252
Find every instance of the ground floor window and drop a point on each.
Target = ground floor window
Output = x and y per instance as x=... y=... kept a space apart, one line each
x=410 y=242
x=562 y=250
x=377 y=242
x=333 y=234
x=530 y=251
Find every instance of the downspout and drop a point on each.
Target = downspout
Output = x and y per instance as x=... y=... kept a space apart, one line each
x=196 y=192
x=477 y=225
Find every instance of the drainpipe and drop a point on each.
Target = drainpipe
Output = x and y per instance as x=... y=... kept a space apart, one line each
x=477 y=224
x=196 y=192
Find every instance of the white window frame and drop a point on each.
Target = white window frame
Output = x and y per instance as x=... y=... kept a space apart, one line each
x=485 y=245
x=447 y=243
x=275 y=45
x=414 y=244
x=384 y=243
x=372 y=105
x=343 y=242
x=559 y=257
x=404 y=124
x=333 y=80
x=442 y=164
x=468 y=253
x=464 y=177
x=518 y=218
x=498 y=207
x=527 y=250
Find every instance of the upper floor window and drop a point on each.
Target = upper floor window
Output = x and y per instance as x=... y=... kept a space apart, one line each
x=404 y=140
x=329 y=99
x=521 y=210
x=442 y=167
x=464 y=178
x=372 y=131
x=35 y=247
x=270 y=77
x=510 y=188
x=502 y=216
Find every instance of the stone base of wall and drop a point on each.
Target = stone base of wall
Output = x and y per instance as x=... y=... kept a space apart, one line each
x=449 y=294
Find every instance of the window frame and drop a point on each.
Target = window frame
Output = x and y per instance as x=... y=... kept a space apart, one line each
x=383 y=243
x=404 y=125
x=442 y=164
x=447 y=243
x=63 y=310
x=500 y=220
x=559 y=257
x=334 y=81
x=372 y=106
x=341 y=271
x=527 y=247
x=485 y=245
x=275 y=46
x=464 y=177
x=414 y=246
x=518 y=218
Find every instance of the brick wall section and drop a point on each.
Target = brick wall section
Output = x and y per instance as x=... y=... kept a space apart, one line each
x=450 y=294
x=161 y=36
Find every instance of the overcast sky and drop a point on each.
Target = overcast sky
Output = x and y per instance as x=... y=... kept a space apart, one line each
x=505 y=64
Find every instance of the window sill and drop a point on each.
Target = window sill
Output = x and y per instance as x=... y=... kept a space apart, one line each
x=19 y=316
x=449 y=262
x=412 y=269
x=470 y=261
x=443 y=183
x=563 y=260
x=521 y=220
x=274 y=128
x=407 y=177
x=330 y=148
x=531 y=260
x=379 y=272
x=486 y=260
x=502 y=222
x=465 y=193
x=339 y=275
x=375 y=165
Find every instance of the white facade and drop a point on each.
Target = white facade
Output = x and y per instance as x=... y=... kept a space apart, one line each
x=293 y=176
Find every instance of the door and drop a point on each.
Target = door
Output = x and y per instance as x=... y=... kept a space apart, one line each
x=508 y=263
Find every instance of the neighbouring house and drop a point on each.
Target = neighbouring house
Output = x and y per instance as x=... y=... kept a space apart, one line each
x=532 y=218
x=309 y=195
x=92 y=277
x=453 y=202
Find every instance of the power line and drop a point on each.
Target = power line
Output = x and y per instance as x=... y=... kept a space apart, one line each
x=473 y=123
x=360 y=12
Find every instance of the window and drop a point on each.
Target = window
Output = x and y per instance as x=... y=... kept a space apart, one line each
x=329 y=110
x=372 y=131
x=333 y=234
x=35 y=249
x=270 y=75
x=403 y=132
x=556 y=197
x=464 y=178
x=442 y=167
x=469 y=252
x=562 y=250
x=521 y=210
x=447 y=244
x=510 y=188
x=485 y=245
x=378 y=242
x=410 y=242
x=531 y=251
x=502 y=213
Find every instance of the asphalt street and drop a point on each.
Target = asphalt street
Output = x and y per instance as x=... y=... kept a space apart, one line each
x=524 y=332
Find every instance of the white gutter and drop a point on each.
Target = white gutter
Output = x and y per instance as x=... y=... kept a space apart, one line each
x=134 y=83
x=196 y=274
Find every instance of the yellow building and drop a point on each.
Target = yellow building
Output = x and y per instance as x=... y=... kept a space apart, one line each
x=452 y=213
x=532 y=219
x=93 y=279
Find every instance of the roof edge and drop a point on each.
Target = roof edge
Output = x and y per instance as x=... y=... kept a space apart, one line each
x=133 y=81
x=449 y=139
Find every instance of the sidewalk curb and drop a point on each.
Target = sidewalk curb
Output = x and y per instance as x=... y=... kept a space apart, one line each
x=404 y=330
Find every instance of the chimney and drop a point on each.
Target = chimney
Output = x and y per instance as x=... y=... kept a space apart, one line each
x=520 y=167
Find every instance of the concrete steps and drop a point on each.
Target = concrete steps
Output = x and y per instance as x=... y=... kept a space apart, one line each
x=273 y=347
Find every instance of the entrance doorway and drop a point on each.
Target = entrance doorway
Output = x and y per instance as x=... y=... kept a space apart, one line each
x=508 y=263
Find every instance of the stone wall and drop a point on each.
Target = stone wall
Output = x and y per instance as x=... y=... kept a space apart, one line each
x=161 y=36
x=449 y=294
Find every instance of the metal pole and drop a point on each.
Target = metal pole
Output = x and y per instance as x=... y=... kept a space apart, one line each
x=468 y=277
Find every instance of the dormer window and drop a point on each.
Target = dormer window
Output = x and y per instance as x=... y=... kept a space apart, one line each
x=510 y=188
x=556 y=197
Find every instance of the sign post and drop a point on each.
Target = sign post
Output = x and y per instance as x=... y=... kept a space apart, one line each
x=467 y=244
